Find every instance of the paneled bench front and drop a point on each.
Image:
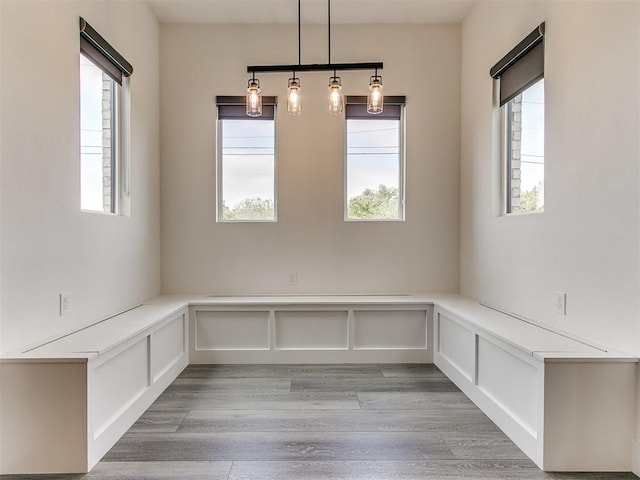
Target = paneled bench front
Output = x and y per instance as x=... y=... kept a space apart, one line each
x=311 y=329
x=567 y=404
x=64 y=404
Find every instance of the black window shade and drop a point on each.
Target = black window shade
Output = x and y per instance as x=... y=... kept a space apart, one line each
x=93 y=46
x=522 y=66
x=234 y=107
x=356 y=108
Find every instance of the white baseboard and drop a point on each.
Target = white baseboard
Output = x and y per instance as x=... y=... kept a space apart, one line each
x=635 y=456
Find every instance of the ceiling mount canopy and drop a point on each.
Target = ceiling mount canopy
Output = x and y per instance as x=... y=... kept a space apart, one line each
x=336 y=98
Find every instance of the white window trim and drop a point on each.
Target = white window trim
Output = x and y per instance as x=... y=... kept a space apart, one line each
x=505 y=166
x=401 y=180
x=123 y=145
x=121 y=163
x=504 y=161
x=219 y=157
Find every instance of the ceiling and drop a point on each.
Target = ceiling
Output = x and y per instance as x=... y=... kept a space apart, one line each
x=313 y=11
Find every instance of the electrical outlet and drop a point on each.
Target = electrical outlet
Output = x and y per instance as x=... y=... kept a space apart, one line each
x=560 y=303
x=65 y=303
x=293 y=279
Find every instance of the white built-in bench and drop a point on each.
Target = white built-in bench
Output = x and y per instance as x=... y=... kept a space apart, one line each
x=567 y=404
x=65 y=404
x=311 y=329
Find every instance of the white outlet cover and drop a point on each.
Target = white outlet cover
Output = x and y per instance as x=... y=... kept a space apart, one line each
x=65 y=303
x=560 y=303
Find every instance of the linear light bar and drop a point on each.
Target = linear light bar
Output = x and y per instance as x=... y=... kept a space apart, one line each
x=314 y=67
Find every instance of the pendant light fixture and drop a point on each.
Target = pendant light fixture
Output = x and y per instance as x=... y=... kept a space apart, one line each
x=336 y=98
x=254 y=98
x=294 y=107
x=375 y=100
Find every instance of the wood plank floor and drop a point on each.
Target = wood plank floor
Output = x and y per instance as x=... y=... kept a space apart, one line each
x=315 y=422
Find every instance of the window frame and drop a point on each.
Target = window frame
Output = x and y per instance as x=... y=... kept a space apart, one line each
x=119 y=139
x=506 y=112
x=514 y=74
x=96 y=50
x=271 y=101
x=401 y=164
x=507 y=157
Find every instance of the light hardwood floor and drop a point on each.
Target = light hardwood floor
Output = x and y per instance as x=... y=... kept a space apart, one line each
x=316 y=422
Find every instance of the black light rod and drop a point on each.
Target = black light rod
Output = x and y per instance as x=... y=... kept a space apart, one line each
x=314 y=67
x=299 y=36
x=328 y=30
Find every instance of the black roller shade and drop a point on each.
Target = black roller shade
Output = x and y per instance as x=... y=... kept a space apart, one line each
x=356 y=108
x=234 y=107
x=93 y=46
x=522 y=66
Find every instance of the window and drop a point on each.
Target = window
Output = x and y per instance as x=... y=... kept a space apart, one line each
x=246 y=162
x=374 y=179
x=98 y=133
x=524 y=155
x=103 y=106
x=521 y=77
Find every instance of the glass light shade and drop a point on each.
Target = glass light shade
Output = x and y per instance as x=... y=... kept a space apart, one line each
x=375 y=100
x=294 y=107
x=336 y=99
x=254 y=99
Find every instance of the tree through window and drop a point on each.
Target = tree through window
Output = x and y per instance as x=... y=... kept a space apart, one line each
x=374 y=163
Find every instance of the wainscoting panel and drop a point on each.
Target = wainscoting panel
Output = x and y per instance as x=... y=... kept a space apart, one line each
x=300 y=331
x=118 y=383
x=311 y=330
x=511 y=383
x=392 y=329
x=232 y=330
x=168 y=346
x=457 y=345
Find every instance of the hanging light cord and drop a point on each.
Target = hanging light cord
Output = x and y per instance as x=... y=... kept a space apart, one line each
x=329 y=30
x=300 y=67
x=299 y=36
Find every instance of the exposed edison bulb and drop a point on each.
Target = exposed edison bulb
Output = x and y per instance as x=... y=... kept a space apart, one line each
x=336 y=99
x=375 y=100
x=294 y=107
x=254 y=99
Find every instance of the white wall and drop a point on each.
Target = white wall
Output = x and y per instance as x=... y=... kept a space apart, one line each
x=635 y=455
x=1 y=162
x=108 y=263
x=310 y=237
x=586 y=242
